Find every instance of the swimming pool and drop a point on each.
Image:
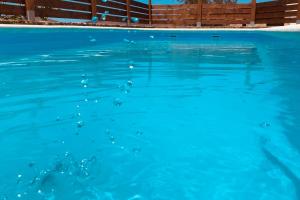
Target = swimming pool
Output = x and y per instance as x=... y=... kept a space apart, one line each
x=163 y=115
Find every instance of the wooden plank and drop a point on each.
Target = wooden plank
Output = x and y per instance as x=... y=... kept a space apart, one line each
x=150 y=11
x=291 y=7
x=30 y=9
x=139 y=10
x=94 y=8
x=226 y=6
x=139 y=15
x=134 y=3
x=174 y=7
x=224 y=22
x=270 y=9
x=199 y=12
x=63 y=5
x=13 y=1
x=298 y=18
x=82 y=1
x=253 y=12
x=175 y=22
x=227 y=11
x=231 y=17
x=112 y=4
x=290 y=20
x=45 y=12
x=12 y=10
x=270 y=15
x=289 y=1
x=171 y=12
x=271 y=21
x=128 y=12
x=122 y=13
x=291 y=14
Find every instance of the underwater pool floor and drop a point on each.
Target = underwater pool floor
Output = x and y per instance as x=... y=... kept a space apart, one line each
x=159 y=115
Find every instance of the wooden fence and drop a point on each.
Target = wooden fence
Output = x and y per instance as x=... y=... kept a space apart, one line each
x=271 y=13
x=201 y=14
x=121 y=11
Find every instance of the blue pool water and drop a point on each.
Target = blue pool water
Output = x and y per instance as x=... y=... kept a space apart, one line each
x=149 y=115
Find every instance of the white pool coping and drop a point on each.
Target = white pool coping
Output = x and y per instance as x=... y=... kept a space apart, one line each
x=287 y=28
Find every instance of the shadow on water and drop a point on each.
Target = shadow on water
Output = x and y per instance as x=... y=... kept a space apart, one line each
x=275 y=161
x=285 y=65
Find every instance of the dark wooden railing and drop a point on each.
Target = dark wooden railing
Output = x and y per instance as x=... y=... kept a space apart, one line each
x=121 y=11
x=127 y=12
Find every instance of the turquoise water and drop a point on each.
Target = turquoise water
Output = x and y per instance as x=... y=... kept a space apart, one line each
x=138 y=115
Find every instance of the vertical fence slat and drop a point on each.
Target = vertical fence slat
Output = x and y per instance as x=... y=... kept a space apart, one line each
x=94 y=8
x=150 y=11
x=199 y=13
x=128 y=3
x=253 y=12
x=30 y=10
x=298 y=18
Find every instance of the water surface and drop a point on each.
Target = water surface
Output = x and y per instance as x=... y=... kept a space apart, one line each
x=128 y=115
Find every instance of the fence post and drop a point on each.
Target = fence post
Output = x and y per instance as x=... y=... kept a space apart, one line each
x=253 y=13
x=298 y=18
x=128 y=2
x=150 y=11
x=30 y=10
x=94 y=8
x=199 y=13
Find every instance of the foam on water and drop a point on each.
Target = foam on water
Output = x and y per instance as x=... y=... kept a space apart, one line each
x=111 y=114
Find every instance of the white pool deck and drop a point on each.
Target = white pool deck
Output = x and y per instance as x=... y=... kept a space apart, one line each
x=288 y=28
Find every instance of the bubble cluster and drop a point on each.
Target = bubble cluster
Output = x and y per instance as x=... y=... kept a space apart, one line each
x=66 y=177
x=111 y=137
x=84 y=83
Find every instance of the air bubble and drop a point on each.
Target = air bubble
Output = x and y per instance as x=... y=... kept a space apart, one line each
x=19 y=176
x=136 y=150
x=80 y=124
x=124 y=89
x=131 y=67
x=139 y=132
x=130 y=83
x=19 y=195
x=265 y=124
x=151 y=36
x=118 y=102
x=135 y=197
